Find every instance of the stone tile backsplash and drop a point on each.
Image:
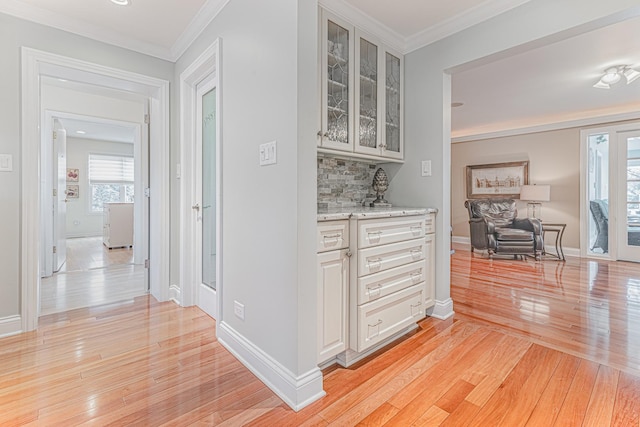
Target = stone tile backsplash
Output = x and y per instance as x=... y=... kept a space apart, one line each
x=344 y=183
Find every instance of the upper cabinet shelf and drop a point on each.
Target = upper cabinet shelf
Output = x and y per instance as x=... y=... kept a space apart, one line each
x=362 y=93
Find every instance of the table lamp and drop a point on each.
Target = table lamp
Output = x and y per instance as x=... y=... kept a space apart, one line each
x=535 y=194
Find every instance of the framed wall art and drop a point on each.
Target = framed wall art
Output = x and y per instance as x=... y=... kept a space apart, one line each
x=73 y=191
x=73 y=175
x=497 y=180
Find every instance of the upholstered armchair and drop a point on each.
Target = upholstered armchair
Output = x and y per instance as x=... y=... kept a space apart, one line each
x=495 y=227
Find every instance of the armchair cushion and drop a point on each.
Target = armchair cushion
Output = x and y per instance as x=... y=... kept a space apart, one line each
x=513 y=234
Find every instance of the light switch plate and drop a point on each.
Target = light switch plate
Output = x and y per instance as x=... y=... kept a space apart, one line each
x=268 y=153
x=426 y=168
x=6 y=163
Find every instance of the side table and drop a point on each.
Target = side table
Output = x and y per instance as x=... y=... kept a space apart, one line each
x=559 y=230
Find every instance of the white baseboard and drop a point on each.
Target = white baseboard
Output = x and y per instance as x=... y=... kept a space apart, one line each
x=11 y=325
x=296 y=391
x=443 y=309
x=175 y=294
x=71 y=235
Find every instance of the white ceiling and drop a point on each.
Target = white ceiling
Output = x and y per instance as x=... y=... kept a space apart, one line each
x=546 y=85
x=100 y=131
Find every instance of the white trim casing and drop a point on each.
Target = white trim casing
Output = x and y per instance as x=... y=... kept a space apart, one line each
x=296 y=391
x=36 y=63
x=205 y=65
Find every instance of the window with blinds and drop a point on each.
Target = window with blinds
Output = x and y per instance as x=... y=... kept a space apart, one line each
x=110 y=180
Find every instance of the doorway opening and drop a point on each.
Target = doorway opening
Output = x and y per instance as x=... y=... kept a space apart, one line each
x=95 y=239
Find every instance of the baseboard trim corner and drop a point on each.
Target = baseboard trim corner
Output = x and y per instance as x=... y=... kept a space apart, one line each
x=11 y=325
x=296 y=391
x=443 y=309
x=175 y=294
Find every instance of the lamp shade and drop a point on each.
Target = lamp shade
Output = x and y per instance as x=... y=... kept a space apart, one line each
x=535 y=193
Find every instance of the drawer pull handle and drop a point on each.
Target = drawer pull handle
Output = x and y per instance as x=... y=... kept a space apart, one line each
x=416 y=253
x=374 y=264
x=333 y=236
x=416 y=305
x=374 y=289
x=378 y=323
x=416 y=229
x=332 y=239
x=374 y=235
x=416 y=277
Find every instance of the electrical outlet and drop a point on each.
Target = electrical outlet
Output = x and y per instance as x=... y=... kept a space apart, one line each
x=238 y=310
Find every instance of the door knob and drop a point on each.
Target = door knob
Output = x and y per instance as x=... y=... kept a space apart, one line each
x=196 y=207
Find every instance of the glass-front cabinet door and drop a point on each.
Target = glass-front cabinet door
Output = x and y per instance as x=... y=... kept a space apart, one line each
x=392 y=145
x=337 y=89
x=367 y=89
x=361 y=92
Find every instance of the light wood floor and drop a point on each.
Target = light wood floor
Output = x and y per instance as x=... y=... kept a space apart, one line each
x=92 y=275
x=149 y=363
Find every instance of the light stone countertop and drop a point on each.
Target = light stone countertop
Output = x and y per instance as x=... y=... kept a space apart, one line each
x=362 y=212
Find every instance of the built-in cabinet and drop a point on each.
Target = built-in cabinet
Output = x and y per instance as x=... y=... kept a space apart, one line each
x=117 y=225
x=333 y=287
x=361 y=93
x=376 y=278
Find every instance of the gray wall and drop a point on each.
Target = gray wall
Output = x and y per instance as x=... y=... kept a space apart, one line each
x=15 y=33
x=268 y=92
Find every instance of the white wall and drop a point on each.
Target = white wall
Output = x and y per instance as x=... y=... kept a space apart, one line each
x=81 y=222
x=428 y=97
x=15 y=33
x=268 y=92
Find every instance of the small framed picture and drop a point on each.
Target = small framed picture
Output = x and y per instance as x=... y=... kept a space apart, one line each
x=72 y=175
x=73 y=191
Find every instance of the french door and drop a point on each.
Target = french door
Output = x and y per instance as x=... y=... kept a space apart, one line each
x=629 y=196
x=205 y=196
x=611 y=189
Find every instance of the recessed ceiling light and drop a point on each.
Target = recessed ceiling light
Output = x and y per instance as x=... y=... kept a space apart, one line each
x=121 y=2
x=457 y=104
x=81 y=132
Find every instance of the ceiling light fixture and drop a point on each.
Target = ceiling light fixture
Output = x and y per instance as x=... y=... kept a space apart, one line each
x=121 y=2
x=613 y=75
x=81 y=132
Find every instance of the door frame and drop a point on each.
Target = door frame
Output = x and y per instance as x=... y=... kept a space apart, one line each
x=207 y=65
x=36 y=63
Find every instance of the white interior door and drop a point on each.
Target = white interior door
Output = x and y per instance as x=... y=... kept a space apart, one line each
x=205 y=195
x=628 y=209
x=59 y=197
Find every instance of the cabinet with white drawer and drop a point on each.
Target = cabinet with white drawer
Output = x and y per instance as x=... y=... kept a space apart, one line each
x=388 y=282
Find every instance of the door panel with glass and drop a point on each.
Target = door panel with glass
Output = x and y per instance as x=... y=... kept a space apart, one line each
x=205 y=195
x=629 y=196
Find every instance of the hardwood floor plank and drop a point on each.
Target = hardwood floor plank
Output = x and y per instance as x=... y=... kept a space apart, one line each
x=514 y=400
x=380 y=416
x=603 y=397
x=546 y=411
x=463 y=415
x=454 y=396
x=626 y=411
x=575 y=403
x=433 y=416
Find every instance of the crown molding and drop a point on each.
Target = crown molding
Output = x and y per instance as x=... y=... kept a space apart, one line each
x=459 y=22
x=365 y=22
x=62 y=22
x=205 y=15
x=546 y=127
